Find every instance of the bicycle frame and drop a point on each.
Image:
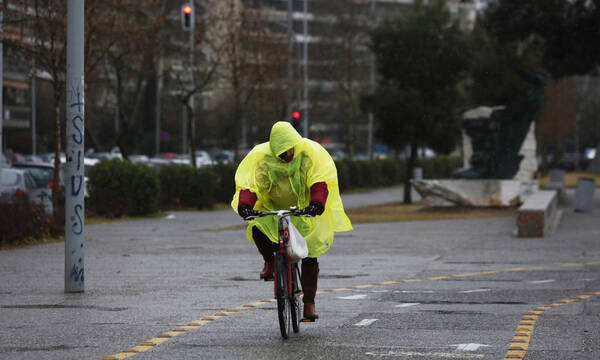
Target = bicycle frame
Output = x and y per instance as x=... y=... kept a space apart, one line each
x=287 y=301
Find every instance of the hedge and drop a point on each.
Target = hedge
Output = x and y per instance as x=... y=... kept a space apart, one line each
x=121 y=188
x=22 y=220
x=118 y=188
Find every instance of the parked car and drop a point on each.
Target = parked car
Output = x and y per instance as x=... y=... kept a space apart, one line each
x=220 y=155
x=203 y=158
x=43 y=175
x=18 y=183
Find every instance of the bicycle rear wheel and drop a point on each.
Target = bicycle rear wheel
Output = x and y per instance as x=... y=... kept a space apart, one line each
x=295 y=303
x=283 y=299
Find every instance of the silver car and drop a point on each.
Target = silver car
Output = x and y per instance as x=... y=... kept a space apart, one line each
x=17 y=183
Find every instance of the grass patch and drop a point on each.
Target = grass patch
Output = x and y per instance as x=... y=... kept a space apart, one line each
x=94 y=219
x=397 y=212
x=571 y=178
x=32 y=242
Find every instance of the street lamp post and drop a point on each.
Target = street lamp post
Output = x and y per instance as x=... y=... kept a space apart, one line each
x=75 y=130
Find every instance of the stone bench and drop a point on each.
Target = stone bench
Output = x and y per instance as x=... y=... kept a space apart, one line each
x=536 y=216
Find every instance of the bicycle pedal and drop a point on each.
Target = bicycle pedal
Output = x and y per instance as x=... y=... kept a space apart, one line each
x=269 y=279
x=307 y=320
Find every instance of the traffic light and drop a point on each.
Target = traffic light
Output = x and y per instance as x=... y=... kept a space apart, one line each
x=296 y=116
x=187 y=17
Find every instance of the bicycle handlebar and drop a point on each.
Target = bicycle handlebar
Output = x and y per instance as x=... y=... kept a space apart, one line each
x=293 y=211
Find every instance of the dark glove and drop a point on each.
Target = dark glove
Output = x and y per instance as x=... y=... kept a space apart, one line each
x=246 y=211
x=315 y=208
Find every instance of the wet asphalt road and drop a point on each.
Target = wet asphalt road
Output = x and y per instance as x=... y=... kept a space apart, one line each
x=148 y=277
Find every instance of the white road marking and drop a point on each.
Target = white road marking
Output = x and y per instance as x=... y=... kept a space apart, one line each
x=424 y=355
x=365 y=322
x=170 y=217
x=353 y=297
x=469 y=347
x=416 y=291
x=475 y=291
x=542 y=281
x=407 y=305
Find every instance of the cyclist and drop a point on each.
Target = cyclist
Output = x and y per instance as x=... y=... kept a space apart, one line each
x=290 y=170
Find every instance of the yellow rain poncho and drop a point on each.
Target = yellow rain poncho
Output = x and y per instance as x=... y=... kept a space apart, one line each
x=279 y=185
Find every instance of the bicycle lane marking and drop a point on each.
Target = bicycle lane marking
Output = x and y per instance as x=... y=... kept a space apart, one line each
x=520 y=342
x=193 y=325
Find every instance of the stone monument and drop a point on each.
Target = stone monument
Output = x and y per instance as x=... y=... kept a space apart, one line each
x=499 y=143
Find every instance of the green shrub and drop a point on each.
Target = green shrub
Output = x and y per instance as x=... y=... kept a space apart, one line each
x=343 y=172
x=120 y=188
x=392 y=171
x=183 y=186
x=440 y=167
x=225 y=181
x=357 y=177
x=22 y=220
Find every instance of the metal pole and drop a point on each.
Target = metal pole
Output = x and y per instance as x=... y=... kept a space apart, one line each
x=371 y=90
x=290 y=51
x=74 y=204
x=33 y=110
x=157 y=109
x=1 y=86
x=192 y=68
x=305 y=64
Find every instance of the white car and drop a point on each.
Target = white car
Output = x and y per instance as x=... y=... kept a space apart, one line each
x=19 y=182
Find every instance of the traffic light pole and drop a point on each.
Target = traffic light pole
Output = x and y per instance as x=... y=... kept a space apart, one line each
x=305 y=131
x=1 y=87
x=75 y=126
x=191 y=99
x=290 y=51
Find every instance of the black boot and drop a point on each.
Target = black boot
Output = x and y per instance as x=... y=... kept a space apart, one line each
x=309 y=277
x=265 y=248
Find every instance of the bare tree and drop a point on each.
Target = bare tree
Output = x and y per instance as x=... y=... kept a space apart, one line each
x=251 y=65
x=349 y=37
x=39 y=31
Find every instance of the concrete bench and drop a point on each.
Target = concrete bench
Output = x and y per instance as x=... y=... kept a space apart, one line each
x=536 y=216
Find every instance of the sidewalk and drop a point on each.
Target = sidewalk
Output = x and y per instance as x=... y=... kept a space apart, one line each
x=147 y=276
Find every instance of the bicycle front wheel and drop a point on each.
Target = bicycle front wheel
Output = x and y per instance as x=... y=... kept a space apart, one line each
x=295 y=303
x=283 y=299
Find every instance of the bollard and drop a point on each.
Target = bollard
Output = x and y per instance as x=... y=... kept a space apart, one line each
x=557 y=176
x=584 y=195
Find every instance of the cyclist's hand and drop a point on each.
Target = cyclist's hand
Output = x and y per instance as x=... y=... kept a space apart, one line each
x=246 y=211
x=315 y=208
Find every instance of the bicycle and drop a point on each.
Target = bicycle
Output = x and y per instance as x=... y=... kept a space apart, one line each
x=287 y=275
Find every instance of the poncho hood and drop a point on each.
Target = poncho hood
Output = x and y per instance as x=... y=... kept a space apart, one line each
x=283 y=137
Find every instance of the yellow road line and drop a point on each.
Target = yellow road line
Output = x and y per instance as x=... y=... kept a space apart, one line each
x=520 y=343
x=153 y=342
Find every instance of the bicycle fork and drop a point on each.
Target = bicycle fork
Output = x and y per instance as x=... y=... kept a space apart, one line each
x=284 y=237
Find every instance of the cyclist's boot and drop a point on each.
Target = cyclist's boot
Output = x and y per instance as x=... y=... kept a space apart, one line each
x=310 y=274
x=265 y=247
x=267 y=271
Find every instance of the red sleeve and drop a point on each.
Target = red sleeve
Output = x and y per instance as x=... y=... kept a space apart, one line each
x=247 y=197
x=319 y=192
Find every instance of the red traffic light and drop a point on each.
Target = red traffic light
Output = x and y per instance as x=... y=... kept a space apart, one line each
x=296 y=115
x=187 y=9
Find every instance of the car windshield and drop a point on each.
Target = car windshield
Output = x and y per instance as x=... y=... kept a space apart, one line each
x=41 y=175
x=9 y=178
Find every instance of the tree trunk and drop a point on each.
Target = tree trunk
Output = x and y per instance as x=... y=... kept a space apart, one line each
x=410 y=165
x=57 y=150
x=351 y=138
x=191 y=134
